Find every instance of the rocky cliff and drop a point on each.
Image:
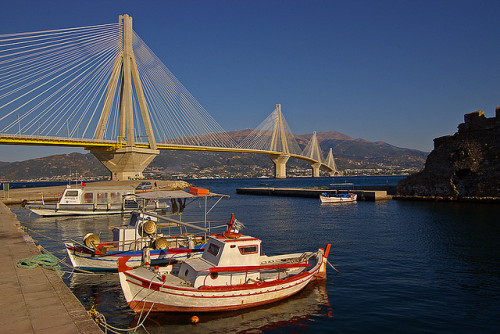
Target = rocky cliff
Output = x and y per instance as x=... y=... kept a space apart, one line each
x=462 y=166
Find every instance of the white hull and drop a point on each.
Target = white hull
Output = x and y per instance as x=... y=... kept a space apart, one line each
x=50 y=212
x=86 y=261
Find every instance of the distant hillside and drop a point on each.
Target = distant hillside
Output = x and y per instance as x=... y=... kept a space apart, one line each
x=360 y=150
x=56 y=165
x=349 y=153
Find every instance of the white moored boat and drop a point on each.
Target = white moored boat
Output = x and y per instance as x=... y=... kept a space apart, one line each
x=338 y=198
x=231 y=274
x=144 y=230
x=77 y=201
x=344 y=192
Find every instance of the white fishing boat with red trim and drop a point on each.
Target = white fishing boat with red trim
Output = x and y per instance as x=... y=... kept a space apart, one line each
x=149 y=230
x=344 y=193
x=232 y=273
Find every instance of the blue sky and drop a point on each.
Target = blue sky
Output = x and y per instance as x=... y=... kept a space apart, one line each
x=403 y=72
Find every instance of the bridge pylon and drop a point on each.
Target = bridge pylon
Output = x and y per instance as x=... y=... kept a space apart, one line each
x=313 y=151
x=279 y=143
x=330 y=162
x=126 y=161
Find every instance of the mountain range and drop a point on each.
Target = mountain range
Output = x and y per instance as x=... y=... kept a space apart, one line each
x=350 y=154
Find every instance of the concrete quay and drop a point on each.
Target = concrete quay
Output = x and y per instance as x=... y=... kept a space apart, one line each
x=363 y=195
x=34 y=300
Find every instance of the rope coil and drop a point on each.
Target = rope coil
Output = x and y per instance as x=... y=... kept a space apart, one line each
x=46 y=261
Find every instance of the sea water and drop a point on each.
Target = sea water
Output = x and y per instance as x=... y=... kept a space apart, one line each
x=405 y=266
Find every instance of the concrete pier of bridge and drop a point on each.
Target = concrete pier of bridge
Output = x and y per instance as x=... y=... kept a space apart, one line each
x=280 y=165
x=126 y=163
x=315 y=169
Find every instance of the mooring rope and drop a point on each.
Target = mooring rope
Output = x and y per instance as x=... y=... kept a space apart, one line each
x=100 y=319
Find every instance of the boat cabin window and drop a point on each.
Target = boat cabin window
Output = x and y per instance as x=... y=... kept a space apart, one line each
x=102 y=197
x=244 y=250
x=115 y=197
x=71 y=193
x=88 y=198
x=213 y=249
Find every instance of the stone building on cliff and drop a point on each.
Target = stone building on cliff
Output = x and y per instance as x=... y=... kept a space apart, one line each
x=465 y=165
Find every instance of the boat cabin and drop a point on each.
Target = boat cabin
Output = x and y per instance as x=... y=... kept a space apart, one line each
x=220 y=255
x=135 y=234
x=95 y=195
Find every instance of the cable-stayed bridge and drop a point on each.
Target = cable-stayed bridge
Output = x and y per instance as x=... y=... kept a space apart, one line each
x=101 y=88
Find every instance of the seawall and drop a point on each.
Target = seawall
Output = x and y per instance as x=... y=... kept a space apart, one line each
x=34 y=300
x=363 y=195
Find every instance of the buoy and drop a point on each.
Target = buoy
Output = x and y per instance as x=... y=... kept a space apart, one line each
x=195 y=319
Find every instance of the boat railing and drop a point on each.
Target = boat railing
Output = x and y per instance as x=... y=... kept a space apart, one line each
x=141 y=242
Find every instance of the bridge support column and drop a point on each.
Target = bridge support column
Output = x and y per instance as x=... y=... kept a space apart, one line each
x=126 y=163
x=280 y=165
x=315 y=169
x=334 y=173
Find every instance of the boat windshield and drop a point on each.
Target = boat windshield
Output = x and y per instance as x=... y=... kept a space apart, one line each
x=133 y=219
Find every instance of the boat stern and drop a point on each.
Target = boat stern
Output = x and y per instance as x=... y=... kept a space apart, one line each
x=321 y=274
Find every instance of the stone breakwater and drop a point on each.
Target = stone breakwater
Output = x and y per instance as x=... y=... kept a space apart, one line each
x=17 y=196
x=464 y=166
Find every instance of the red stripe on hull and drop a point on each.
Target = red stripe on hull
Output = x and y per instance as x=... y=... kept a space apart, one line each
x=237 y=291
x=156 y=286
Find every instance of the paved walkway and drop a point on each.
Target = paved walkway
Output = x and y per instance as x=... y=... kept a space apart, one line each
x=34 y=300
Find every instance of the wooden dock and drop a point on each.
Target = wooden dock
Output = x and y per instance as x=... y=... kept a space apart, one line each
x=363 y=195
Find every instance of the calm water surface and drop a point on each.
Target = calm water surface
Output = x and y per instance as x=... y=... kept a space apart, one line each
x=405 y=266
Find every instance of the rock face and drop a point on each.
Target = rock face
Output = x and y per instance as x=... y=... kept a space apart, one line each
x=465 y=165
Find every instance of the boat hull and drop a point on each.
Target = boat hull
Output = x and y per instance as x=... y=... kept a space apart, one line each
x=143 y=294
x=87 y=261
x=333 y=199
x=63 y=212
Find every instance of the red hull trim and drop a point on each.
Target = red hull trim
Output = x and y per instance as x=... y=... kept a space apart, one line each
x=156 y=286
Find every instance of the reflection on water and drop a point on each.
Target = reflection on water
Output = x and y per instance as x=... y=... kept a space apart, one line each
x=104 y=292
x=285 y=315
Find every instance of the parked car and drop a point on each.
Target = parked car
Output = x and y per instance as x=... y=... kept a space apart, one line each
x=144 y=186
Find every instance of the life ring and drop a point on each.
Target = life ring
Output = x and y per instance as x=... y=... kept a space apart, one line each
x=259 y=283
x=231 y=235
